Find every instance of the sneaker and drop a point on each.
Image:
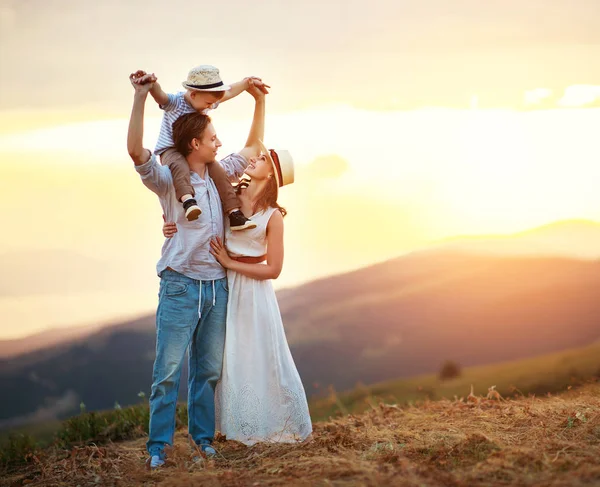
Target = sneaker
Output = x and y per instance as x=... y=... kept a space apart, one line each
x=208 y=450
x=192 y=210
x=156 y=461
x=237 y=221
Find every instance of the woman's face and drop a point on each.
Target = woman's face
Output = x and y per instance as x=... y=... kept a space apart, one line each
x=260 y=168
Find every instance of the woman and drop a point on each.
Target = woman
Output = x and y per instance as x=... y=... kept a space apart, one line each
x=260 y=396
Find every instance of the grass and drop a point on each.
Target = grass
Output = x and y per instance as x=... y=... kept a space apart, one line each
x=538 y=375
x=553 y=441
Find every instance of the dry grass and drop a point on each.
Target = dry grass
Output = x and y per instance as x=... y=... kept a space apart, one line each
x=550 y=441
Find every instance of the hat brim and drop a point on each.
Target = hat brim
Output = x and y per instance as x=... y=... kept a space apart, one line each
x=218 y=88
x=267 y=153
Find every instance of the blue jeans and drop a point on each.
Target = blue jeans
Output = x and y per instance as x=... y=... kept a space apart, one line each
x=178 y=327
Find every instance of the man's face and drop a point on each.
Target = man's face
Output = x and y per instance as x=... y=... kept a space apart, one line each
x=208 y=145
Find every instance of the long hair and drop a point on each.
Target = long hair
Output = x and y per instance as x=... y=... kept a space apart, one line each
x=186 y=128
x=268 y=197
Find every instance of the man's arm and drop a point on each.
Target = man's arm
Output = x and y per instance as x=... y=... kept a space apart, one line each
x=153 y=174
x=135 y=134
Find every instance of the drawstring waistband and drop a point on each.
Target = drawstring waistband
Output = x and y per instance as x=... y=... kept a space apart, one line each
x=214 y=298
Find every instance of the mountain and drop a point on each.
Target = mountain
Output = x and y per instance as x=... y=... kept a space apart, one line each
x=568 y=238
x=44 y=339
x=396 y=319
x=57 y=272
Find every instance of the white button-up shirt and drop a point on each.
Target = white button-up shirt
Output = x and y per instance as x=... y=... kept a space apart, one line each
x=188 y=251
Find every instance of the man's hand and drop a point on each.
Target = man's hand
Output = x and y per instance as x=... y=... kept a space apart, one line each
x=169 y=229
x=141 y=81
x=256 y=81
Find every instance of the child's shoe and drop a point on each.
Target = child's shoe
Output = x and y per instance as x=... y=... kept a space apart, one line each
x=192 y=210
x=237 y=221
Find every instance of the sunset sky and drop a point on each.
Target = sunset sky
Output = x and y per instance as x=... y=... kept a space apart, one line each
x=410 y=122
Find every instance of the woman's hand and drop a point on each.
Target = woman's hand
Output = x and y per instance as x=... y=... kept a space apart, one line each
x=259 y=83
x=169 y=229
x=220 y=253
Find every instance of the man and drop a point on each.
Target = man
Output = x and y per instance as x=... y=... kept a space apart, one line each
x=193 y=292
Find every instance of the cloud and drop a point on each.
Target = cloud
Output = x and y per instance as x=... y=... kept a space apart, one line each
x=534 y=97
x=580 y=95
x=326 y=167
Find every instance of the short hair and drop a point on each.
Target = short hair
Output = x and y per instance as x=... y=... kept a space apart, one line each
x=187 y=127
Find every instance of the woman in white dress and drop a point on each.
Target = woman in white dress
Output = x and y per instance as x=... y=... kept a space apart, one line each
x=260 y=397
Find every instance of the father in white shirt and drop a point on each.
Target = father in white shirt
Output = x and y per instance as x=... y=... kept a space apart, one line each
x=192 y=304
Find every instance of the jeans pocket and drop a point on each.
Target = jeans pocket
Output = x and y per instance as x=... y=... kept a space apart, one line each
x=175 y=288
x=225 y=285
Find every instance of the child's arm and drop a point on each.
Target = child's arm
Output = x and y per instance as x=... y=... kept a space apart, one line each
x=243 y=85
x=160 y=97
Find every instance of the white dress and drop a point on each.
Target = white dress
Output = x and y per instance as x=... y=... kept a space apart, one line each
x=260 y=396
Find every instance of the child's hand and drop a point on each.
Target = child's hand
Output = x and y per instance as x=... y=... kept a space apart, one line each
x=140 y=77
x=254 y=90
x=169 y=229
x=259 y=84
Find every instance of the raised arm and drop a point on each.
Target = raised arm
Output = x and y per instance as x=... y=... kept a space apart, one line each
x=241 y=86
x=135 y=134
x=257 y=129
x=155 y=177
x=141 y=77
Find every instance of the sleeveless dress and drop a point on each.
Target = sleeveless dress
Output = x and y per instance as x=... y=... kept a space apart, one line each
x=260 y=396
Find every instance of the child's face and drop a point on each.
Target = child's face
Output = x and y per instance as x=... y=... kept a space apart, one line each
x=201 y=100
x=208 y=146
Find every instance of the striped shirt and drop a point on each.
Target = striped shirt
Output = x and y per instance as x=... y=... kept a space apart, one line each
x=188 y=251
x=174 y=108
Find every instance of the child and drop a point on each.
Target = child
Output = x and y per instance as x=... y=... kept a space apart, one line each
x=204 y=91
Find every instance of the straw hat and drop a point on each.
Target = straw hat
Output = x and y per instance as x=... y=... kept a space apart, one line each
x=282 y=163
x=204 y=78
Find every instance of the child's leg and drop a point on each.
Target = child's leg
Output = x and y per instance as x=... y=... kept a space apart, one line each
x=229 y=199
x=180 y=172
x=184 y=191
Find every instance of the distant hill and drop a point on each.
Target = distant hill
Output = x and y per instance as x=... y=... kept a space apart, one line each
x=397 y=319
x=568 y=238
x=550 y=373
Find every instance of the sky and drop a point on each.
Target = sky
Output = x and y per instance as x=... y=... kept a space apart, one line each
x=409 y=121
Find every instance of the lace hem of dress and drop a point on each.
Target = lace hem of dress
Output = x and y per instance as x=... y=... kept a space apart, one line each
x=281 y=416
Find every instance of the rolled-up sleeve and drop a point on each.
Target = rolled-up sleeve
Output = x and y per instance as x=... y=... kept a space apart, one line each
x=156 y=178
x=171 y=104
x=234 y=165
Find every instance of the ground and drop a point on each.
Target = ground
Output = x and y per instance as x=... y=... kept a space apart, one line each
x=550 y=441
